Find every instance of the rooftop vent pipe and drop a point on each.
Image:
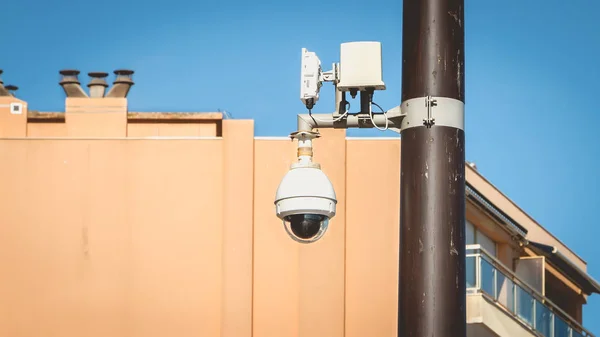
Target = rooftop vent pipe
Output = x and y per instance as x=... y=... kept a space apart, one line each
x=70 y=83
x=3 y=91
x=122 y=83
x=11 y=88
x=97 y=84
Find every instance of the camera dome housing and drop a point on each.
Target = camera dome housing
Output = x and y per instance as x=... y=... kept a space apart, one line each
x=305 y=201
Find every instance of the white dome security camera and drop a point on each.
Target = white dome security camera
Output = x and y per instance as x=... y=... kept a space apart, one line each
x=305 y=199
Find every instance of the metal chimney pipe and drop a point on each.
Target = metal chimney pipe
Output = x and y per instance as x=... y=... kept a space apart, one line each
x=12 y=88
x=3 y=91
x=122 y=83
x=97 y=84
x=70 y=83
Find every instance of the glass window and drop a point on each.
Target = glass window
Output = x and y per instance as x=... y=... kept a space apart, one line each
x=474 y=236
x=486 y=243
x=524 y=305
x=469 y=233
x=542 y=319
x=561 y=328
x=488 y=273
x=471 y=272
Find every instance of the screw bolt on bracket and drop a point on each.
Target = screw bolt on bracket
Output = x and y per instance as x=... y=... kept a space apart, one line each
x=429 y=103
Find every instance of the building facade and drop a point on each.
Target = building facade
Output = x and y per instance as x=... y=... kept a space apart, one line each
x=126 y=224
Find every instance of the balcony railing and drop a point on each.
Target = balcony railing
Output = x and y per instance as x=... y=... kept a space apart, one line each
x=490 y=277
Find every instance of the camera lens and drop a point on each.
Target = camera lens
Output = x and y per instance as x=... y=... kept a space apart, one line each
x=305 y=226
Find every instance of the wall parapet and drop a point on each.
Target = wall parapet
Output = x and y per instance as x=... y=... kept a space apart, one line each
x=34 y=116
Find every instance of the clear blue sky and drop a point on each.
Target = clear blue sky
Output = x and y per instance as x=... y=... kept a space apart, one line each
x=532 y=72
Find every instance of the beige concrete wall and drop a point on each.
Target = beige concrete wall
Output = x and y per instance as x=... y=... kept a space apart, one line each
x=172 y=130
x=146 y=237
x=45 y=130
x=84 y=122
x=372 y=225
x=158 y=237
x=12 y=124
x=487 y=318
x=96 y=117
x=237 y=245
x=111 y=237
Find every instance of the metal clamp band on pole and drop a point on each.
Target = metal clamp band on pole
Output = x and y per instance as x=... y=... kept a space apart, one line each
x=429 y=111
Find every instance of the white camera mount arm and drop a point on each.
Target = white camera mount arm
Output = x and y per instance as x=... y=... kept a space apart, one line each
x=305 y=150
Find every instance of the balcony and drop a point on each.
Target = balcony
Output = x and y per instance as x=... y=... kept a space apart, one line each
x=501 y=304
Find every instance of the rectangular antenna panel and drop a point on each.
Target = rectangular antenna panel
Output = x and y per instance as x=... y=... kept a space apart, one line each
x=361 y=66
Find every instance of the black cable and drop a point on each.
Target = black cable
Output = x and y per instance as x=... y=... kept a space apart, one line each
x=380 y=108
x=311 y=116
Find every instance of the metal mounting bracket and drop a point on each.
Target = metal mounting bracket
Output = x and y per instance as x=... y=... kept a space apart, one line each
x=395 y=116
x=438 y=111
x=332 y=75
x=304 y=135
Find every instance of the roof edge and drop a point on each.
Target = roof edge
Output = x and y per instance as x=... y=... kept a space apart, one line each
x=511 y=225
x=525 y=213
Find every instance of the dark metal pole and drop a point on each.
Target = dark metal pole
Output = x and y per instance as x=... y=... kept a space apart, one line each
x=432 y=290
